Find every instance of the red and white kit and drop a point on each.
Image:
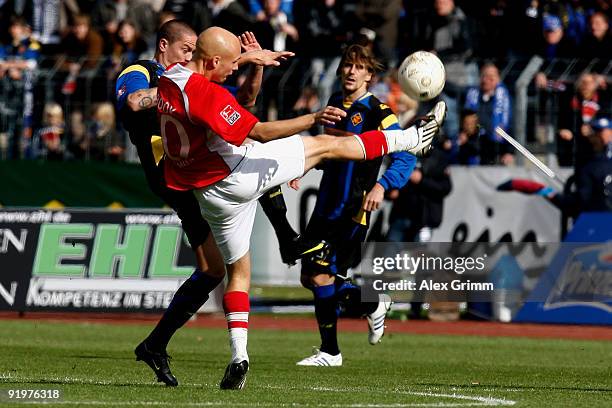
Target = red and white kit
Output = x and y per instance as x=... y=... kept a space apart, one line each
x=204 y=130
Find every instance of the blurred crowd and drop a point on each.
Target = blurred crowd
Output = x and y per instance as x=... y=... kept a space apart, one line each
x=59 y=59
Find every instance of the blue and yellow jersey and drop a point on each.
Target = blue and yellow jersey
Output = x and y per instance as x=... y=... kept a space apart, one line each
x=142 y=126
x=136 y=77
x=26 y=49
x=344 y=184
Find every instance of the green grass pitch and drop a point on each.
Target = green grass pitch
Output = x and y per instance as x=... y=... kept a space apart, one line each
x=93 y=365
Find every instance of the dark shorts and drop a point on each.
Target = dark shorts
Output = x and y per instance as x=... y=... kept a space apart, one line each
x=345 y=237
x=188 y=210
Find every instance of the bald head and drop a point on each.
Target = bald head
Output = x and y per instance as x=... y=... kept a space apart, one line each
x=217 y=54
x=217 y=41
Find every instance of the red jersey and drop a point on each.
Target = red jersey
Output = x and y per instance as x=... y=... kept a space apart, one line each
x=202 y=127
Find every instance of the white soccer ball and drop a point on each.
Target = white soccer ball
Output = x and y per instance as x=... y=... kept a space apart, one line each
x=422 y=76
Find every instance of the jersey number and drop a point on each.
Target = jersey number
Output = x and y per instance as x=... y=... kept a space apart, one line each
x=167 y=120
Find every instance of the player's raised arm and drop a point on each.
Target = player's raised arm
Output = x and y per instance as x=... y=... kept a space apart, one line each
x=266 y=131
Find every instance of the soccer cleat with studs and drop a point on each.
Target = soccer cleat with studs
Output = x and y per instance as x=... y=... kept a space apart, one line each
x=299 y=247
x=235 y=376
x=158 y=361
x=376 y=320
x=321 y=359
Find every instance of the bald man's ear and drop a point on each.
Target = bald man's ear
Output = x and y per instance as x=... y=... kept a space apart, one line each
x=211 y=63
x=163 y=45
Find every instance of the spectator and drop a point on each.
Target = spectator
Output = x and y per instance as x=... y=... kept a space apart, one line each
x=322 y=32
x=47 y=141
x=448 y=32
x=594 y=183
x=469 y=139
x=555 y=43
x=257 y=10
x=83 y=50
x=572 y=14
x=598 y=42
x=104 y=141
x=194 y=13
x=494 y=29
x=382 y=17
x=112 y=12
x=232 y=16
x=50 y=21
x=129 y=46
x=18 y=61
x=21 y=53
x=418 y=207
x=575 y=117
x=275 y=32
x=78 y=136
x=491 y=102
x=524 y=14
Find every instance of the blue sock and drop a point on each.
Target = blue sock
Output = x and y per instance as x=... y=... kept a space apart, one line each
x=327 y=318
x=192 y=294
x=349 y=295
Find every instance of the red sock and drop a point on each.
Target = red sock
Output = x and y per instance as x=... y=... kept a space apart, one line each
x=236 y=306
x=374 y=144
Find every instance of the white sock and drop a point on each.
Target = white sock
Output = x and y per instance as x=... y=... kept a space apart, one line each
x=238 y=344
x=401 y=140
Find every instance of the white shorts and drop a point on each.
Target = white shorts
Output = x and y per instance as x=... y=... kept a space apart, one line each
x=229 y=205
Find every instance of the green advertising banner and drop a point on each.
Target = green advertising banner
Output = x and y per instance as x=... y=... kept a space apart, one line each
x=98 y=260
x=74 y=184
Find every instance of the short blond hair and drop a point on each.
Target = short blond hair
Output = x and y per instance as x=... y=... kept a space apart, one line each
x=52 y=110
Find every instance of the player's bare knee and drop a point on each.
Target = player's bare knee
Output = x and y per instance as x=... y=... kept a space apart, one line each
x=323 y=279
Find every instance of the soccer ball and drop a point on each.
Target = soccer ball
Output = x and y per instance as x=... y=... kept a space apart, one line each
x=422 y=76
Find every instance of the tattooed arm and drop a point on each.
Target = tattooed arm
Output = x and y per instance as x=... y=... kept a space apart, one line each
x=142 y=99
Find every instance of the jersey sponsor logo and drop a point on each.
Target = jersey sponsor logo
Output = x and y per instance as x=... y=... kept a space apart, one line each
x=230 y=115
x=356 y=119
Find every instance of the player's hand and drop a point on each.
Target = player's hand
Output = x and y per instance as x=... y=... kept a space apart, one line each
x=374 y=198
x=248 y=42
x=267 y=58
x=329 y=115
x=294 y=184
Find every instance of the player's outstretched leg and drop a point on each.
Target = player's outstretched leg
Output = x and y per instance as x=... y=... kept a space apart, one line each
x=376 y=143
x=416 y=139
x=192 y=294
